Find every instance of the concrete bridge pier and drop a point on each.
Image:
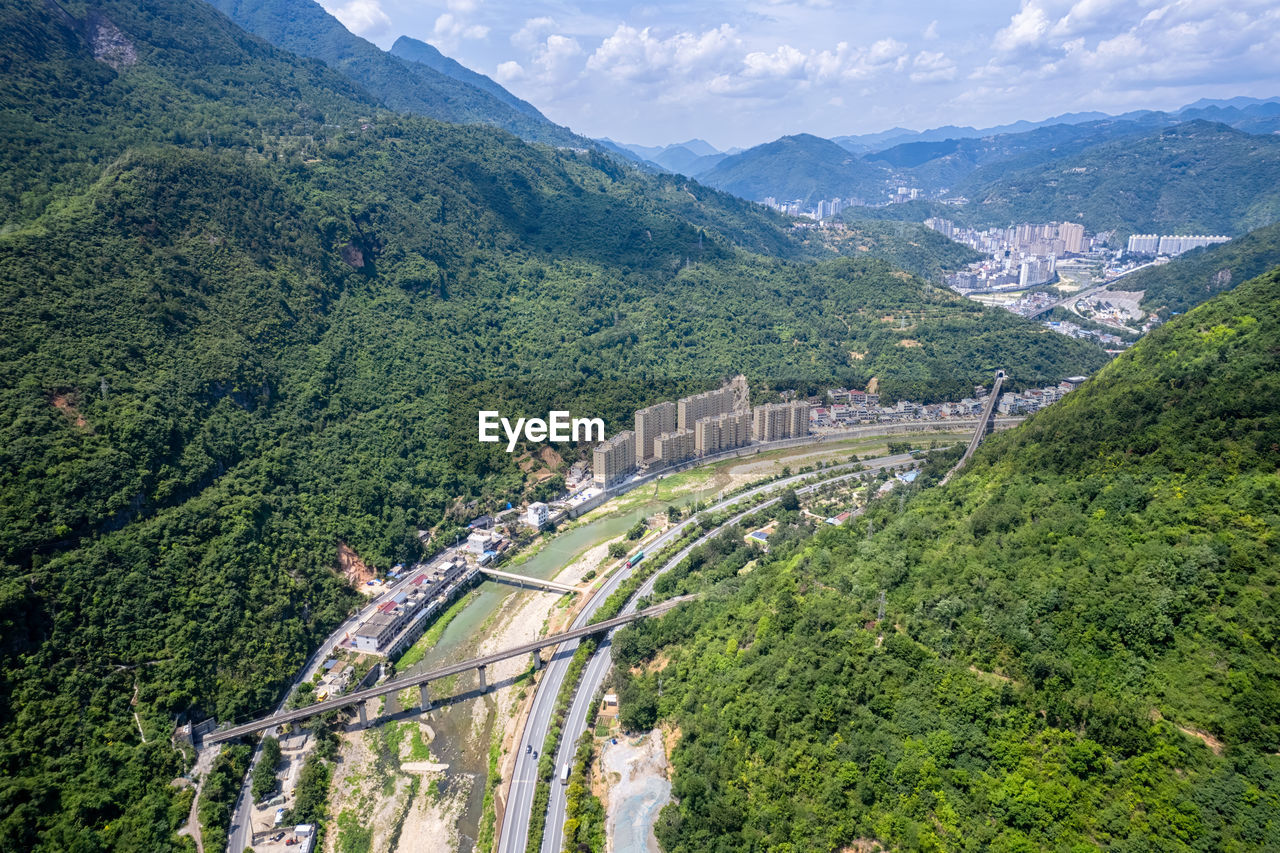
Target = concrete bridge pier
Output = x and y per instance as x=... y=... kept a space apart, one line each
x=537 y=661
x=483 y=687
x=424 y=700
x=364 y=718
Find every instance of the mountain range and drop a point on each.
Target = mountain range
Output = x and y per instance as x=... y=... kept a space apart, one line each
x=1008 y=169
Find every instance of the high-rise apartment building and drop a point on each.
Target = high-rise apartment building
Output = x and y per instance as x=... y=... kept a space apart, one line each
x=1176 y=245
x=690 y=410
x=651 y=423
x=614 y=459
x=722 y=432
x=1072 y=235
x=775 y=421
x=673 y=447
x=1144 y=244
x=731 y=398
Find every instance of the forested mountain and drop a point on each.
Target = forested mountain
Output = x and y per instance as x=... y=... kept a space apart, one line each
x=1193 y=178
x=934 y=166
x=906 y=245
x=1194 y=276
x=412 y=50
x=1080 y=648
x=683 y=161
x=801 y=167
x=248 y=314
x=419 y=84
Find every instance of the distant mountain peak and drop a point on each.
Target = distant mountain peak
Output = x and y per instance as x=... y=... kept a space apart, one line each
x=419 y=79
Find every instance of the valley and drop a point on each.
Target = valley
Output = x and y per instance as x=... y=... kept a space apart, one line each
x=836 y=488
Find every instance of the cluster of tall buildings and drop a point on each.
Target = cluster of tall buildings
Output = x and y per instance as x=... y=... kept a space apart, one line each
x=1022 y=256
x=825 y=208
x=668 y=433
x=1169 y=244
x=1039 y=240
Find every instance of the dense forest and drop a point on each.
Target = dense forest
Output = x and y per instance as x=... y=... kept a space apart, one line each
x=906 y=245
x=249 y=314
x=1079 y=647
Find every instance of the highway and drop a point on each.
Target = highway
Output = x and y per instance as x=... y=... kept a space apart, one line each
x=514 y=832
x=1070 y=301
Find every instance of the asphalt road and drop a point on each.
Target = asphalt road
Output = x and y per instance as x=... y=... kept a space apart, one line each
x=515 y=824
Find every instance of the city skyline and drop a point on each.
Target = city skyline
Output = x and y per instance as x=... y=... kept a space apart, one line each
x=743 y=74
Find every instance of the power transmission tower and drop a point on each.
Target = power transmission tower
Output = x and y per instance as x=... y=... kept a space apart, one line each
x=880 y=612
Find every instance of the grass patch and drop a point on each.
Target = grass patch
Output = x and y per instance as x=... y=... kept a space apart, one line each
x=419 y=750
x=353 y=836
x=488 y=814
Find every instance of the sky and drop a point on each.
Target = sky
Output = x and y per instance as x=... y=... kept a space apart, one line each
x=739 y=74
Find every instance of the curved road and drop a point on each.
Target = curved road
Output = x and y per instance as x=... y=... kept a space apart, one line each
x=519 y=806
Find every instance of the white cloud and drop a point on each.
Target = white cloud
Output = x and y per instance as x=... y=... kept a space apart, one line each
x=770 y=67
x=1131 y=46
x=509 y=72
x=1025 y=29
x=642 y=55
x=533 y=31
x=450 y=28
x=362 y=17
x=554 y=61
x=931 y=67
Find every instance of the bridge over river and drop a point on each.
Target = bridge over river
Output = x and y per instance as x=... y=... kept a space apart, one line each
x=420 y=680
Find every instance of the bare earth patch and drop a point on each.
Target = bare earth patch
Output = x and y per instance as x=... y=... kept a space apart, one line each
x=1208 y=739
x=66 y=403
x=352 y=567
x=909 y=342
x=432 y=822
x=638 y=775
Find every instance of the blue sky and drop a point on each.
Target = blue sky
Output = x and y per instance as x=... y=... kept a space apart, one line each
x=738 y=74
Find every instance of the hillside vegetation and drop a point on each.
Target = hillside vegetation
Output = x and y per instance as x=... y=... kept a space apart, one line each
x=1194 y=178
x=1081 y=646
x=906 y=245
x=248 y=314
